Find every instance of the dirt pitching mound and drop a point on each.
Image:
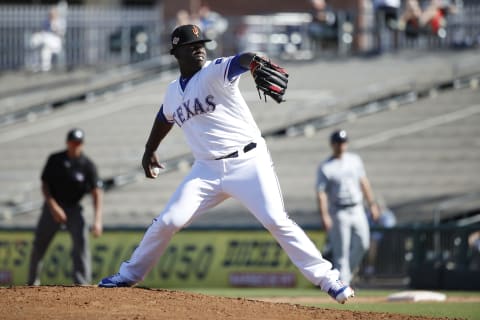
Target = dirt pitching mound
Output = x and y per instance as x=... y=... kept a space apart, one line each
x=58 y=302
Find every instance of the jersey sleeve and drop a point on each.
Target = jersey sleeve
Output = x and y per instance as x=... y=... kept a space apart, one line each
x=322 y=180
x=220 y=71
x=93 y=180
x=169 y=103
x=235 y=69
x=48 y=170
x=161 y=116
x=361 y=168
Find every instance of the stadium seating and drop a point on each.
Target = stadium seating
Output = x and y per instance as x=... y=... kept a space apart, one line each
x=437 y=162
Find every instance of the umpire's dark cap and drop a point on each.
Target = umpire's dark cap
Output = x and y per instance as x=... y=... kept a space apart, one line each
x=339 y=136
x=75 y=135
x=187 y=34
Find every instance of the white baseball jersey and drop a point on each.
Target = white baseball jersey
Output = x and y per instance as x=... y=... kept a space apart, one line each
x=211 y=111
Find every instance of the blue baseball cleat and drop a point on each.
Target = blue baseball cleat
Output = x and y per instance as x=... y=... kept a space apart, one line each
x=340 y=291
x=115 y=281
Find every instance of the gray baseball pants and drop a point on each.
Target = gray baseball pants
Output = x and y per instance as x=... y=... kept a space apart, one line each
x=46 y=230
x=349 y=239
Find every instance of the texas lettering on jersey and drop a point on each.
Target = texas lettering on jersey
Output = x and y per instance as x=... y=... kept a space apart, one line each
x=189 y=109
x=211 y=111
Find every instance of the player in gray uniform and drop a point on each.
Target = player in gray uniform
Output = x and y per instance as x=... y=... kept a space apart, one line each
x=341 y=184
x=231 y=160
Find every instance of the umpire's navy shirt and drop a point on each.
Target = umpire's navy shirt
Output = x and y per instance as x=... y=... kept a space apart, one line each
x=69 y=179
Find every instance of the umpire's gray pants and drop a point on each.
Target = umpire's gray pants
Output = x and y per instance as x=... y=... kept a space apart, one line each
x=349 y=238
x=46 y=230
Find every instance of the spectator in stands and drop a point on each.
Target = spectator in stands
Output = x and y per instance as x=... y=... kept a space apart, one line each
x=410 y=20
x=67 y=176
x=386 y=23
x=214 y=26
x=434 y=18
x=183 y=17
x=341 y=187
x=49 y=41
x=241 y=38
x=323 y=28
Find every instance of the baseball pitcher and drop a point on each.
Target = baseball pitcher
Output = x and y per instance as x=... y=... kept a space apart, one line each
x=231 y=159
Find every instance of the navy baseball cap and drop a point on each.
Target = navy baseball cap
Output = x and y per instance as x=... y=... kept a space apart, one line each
x=187 y=34
x=339 y=136
x=75 y=135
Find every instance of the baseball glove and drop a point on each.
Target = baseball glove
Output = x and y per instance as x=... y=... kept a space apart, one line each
x=270 y=79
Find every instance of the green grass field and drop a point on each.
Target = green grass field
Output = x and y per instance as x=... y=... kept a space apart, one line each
x=458 y=310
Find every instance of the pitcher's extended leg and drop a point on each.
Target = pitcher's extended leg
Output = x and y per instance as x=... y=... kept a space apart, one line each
x=256 y=186
x=197 y=193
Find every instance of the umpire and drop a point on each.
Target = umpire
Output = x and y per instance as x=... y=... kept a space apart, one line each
x=67 y=176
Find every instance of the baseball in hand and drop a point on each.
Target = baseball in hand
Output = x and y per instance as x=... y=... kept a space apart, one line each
x=156 y=171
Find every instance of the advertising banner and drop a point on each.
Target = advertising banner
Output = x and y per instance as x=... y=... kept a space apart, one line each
x=215 y=258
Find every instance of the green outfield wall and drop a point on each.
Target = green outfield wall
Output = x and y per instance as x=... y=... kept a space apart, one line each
x=213 y=258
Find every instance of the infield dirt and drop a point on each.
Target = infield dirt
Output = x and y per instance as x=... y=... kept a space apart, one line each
x=60 y=302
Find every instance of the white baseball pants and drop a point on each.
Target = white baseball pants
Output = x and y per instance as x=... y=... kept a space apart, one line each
x=249 y=178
